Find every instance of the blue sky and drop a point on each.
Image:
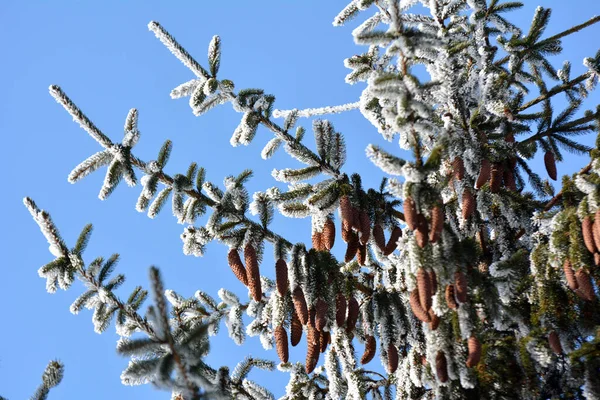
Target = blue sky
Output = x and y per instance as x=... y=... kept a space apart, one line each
x=106 y=60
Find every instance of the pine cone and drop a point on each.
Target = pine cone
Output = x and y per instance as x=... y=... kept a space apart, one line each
x=328 y=239
x=321 y=314
x=353 y=310
x=450 y=297
x=356 y=219
x=460 y=283
x=352 y=248
x=340 y=309
x=596 y=229
x=587 y=229
x=468 y=204
x=392 y=244
x=346 y=210
x=433 y=282
x=379 y=237
x=236 y=265
x=474 y=352
x=392 y=358
x=252 y=272
x=424 y=286
x=365 y=227
x=300 y=305
x=585 y=290
x=509 y=180
x=550 y=163
x=496 y=177
x=570 y=275
x=317 y=241
x=416 y=307
x=484 y=173
x=459 y=168
x=361 y=253
x=281 y=342
x=370 y=347
x=435 y=320
x=325 y=339
x=437 y=223
x=346 y=231
x=441 y=367
x=312 y=316
x=597 y=259
x=410 y=213
x=312 y=351
x=554 y=342
x=281 y=276
x=296 y=329
x=422 y=232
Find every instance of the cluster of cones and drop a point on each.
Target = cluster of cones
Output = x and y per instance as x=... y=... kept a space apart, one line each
x=425 y=231
x=249 y=275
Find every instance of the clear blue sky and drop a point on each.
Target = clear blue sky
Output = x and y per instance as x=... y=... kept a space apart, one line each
x=106 y=60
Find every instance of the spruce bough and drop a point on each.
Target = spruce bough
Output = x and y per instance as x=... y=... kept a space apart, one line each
x=464 y=271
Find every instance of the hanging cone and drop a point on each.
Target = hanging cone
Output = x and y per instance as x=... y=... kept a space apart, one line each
x=570 y=275
x=468 y=204
x=361 y=253
x=496 y=177
x=252 y=272
x=422 y=232
x=300 y=305
x=346 y=231
x=484 y=173
x=356 y=219
x=433 y=282
x=509 y=180
x=370 y=347
x=459 y=168
x=236 y=265
x=509 y=138
x=340 y=309
x=587 y=229
x=312 y=352
x=424 y=286
x=325 y=339
x=596 y=229
x=585 y=290
x=597 y=259
x=317 y=241
x=554 y=342
x=392 y=244
x=281 y=342
x=321 y=314
x=353 y=310
x=450 y=297
x=392 y=358
x=352 y=248
x=441 y=367
x=281 y=276
x=416 y=307
x=346 y=210
x=474 y=352
x=410 y=213
x=365 y=227
x=437 y=223
x=328 y=234
x=435 y=320
x=460 y=283
x=296 y=329
x=312 y=316
x=550 y=163
x=379 y=237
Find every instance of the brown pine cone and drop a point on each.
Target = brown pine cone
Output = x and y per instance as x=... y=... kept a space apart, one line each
x=317 y=241
x=424 y=287
x=365 y=227
x=468 y=204
x=550 y=163
x=281 y=343
x=433 y=282
x=596 y=229
x=392 y=358
x=587 y=229
x=509 y=138
x=496 y=177
x=252 y=272
x=392 y=244
x=484 y=173
x=352 y=248
x=451 y=297
x=435 y=320
x=441 y=367
x=236 y=265
x=328 y=239
x=281 y=276
x=410 y=213
x=554 y=342
x=300 y=305
x=321 y=314
x=570 y=275
x=379 y=237
x=416 y=307
x=422 y=232
x=312 y=316
x=346 y=231
x=509 y=180
x=370 y=347
x=356 y=219
x=296 y=329
x=474 y=352
x=597 y=259
x=340 y=309
x=312 y=351
x=325 y=339
x=353 y=310
x=361 y=253
x=460 y=283
x=459 y=168
x=585 y=290
x=437 y=223
x=346 y=210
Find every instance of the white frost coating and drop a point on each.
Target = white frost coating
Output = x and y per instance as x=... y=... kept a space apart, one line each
x=185 y=89
x=311 y=112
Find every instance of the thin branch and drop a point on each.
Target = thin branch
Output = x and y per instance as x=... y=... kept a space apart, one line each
x=311 y=112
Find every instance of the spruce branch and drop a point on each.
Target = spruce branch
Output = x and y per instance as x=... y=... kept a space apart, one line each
x=52 y=376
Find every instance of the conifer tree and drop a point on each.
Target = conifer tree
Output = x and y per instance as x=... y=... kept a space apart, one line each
x=463 y=270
